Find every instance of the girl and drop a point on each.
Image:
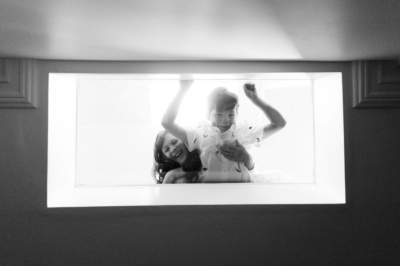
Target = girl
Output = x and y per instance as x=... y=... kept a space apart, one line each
x=173 y=162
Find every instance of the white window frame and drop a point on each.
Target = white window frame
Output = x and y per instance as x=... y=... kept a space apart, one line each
x=329 y=187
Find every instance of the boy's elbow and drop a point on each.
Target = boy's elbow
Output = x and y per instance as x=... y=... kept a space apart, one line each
x=281 y=124
x=165 y=124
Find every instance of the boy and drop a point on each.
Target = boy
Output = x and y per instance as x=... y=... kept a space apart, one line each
x=221 y=141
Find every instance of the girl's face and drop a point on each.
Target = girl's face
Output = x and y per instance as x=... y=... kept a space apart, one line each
x=174 y=149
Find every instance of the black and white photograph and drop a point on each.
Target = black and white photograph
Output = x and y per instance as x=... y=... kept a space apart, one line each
x=199 y=132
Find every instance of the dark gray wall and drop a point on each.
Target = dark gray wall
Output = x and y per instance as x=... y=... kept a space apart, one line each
x=365 y=231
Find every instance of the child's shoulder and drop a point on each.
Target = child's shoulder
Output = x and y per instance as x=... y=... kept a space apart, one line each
x=244 y=129
x=202 y=126
x=245 y=125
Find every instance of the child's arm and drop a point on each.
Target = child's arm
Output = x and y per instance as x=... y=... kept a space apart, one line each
x=168 y=120
x=176 y=176
x=276 y=119
x=237 y=153
x=172 y=176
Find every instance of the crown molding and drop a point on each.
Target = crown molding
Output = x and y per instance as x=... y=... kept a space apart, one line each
x=17 y=83
x=376 y=84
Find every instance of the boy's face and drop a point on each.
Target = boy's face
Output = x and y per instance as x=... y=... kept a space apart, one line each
x=223 y=119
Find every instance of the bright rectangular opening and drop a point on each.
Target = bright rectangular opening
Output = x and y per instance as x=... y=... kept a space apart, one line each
x=102 y=130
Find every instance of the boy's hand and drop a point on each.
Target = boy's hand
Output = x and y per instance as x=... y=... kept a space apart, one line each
x=234 y=152
x=186 y=84
x=250 y=91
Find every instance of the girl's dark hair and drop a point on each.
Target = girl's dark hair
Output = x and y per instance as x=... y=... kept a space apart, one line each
x=162 y=164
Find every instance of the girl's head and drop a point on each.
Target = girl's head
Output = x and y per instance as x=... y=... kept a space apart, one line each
x=222 y=108
x=171 y=153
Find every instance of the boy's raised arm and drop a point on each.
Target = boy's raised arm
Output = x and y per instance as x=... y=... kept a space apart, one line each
x=276 y=119
x=168 y=120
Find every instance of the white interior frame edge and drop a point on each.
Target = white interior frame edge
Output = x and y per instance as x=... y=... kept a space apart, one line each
x=329 y=187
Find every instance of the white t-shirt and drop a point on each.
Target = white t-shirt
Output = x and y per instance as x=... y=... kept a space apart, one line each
x=216 y=168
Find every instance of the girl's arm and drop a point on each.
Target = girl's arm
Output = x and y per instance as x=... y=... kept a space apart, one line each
x=168 y=120
x=175 y=176
x=276 y=119
x=172 y=176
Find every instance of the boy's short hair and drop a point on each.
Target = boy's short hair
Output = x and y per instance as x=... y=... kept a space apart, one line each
x=221 y=99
